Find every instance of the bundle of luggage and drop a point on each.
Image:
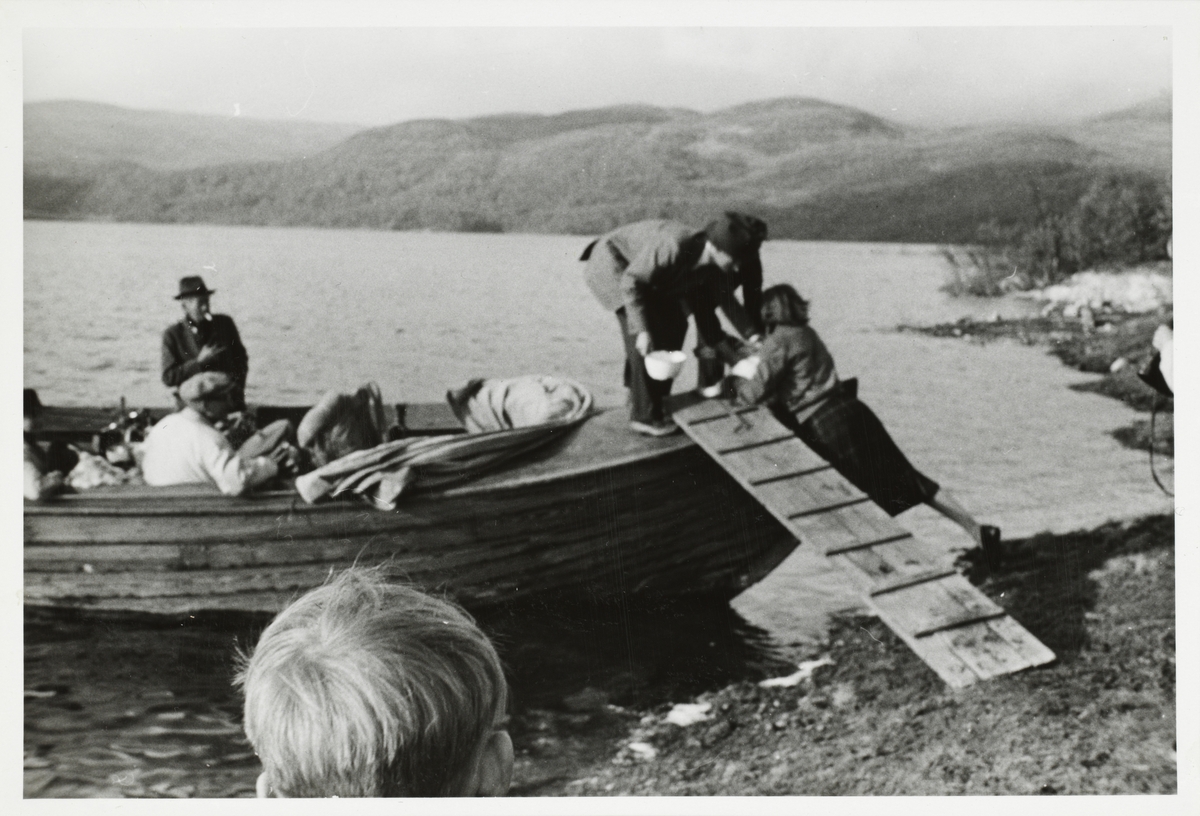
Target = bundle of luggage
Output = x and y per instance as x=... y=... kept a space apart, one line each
x=503 y=418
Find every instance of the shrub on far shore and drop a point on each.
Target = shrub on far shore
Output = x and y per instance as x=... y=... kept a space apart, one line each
x=1121 y=220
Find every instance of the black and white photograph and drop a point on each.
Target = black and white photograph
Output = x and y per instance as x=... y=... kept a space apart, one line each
x=677 y=406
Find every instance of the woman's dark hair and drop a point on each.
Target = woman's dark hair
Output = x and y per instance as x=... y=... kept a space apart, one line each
x=783 y=306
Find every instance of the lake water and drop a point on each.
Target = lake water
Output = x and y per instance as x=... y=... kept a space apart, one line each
x=126 y=708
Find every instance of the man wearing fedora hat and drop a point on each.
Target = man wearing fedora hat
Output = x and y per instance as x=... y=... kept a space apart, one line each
x=654 y=274
x=203 y=341
x=186 y=448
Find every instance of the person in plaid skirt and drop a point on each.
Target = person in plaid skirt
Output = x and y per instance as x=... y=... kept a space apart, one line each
x=794 y=374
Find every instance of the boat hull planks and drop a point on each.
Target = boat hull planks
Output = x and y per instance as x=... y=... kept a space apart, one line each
x=603 y=515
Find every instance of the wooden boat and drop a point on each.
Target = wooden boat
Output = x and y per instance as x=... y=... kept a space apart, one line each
x=601 y=515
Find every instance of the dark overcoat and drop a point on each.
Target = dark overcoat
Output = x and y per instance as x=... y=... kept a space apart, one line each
x=181 y=344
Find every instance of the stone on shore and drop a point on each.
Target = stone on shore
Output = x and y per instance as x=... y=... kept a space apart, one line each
x=1136 y=291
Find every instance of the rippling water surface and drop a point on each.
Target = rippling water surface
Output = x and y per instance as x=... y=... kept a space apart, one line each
x=122 y=707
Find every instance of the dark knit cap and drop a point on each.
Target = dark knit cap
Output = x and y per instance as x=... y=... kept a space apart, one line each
x=737 y=234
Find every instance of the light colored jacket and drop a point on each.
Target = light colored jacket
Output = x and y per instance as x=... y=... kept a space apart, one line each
x=184 y=448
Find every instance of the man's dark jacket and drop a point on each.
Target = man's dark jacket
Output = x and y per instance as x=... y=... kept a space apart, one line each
x=181 y=346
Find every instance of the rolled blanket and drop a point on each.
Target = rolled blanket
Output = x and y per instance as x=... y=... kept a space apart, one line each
x=95 y=471
x=500 y=404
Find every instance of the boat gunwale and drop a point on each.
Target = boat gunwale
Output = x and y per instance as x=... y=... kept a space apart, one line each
x=172 y=501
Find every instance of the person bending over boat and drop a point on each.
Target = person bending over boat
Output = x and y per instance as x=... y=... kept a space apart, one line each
x=732 y=228
x=653 y=274
x=368 y=688
x=794 y=374
x=203 y=341
x=186 y=448
x=42 y=480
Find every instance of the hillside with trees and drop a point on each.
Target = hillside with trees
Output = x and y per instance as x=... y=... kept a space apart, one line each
x=85 y=134
x=812 y=169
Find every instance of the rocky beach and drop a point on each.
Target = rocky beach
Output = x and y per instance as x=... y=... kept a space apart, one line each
x=1098 y=323
x=859 y=714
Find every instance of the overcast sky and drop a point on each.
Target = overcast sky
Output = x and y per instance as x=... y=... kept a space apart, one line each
x=379 y=75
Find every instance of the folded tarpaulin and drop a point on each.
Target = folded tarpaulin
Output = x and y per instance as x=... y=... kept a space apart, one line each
x=383 y=473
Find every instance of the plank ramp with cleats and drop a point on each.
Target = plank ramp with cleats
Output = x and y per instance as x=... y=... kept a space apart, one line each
x=956 y=629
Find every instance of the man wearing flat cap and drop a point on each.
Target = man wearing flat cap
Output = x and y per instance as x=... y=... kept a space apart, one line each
x=186 y=448
x=654 y=274
x=203 y=341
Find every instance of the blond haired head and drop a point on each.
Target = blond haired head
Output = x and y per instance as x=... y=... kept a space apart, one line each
x=364 y=687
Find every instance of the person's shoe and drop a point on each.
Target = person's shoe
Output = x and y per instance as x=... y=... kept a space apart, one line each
x=712 y=390
x=979 y=562
x=989 y=538
x=972 y=565
x=663 y=427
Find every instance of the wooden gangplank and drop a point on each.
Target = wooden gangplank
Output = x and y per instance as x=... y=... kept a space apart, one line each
x=956 y=629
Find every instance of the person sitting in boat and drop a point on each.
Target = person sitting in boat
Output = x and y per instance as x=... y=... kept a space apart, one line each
x=41 y=480
x=340 y=424
x=368 y=688
x=653 y=274
x=794 y=374
x=186 y=448
x=202 y=341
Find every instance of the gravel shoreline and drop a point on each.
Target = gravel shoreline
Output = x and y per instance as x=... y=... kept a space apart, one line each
x=867 y=717
x=872 y=719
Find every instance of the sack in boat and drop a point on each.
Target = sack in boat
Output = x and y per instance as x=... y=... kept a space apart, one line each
x=95 y=471
x=266 y=439
x=381 y=456
x=519 y=402
x=340 y=424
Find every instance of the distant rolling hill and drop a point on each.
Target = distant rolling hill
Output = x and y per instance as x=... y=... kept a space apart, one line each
x=80 y=134
x=812 y=169
x=1140 y=135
